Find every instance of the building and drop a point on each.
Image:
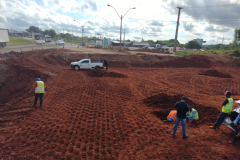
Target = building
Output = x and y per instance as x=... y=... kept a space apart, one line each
x=200 y=41
x=140 y=44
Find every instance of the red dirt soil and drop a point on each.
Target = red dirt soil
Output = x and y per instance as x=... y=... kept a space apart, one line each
x=88 y=117
x=215 y=73
x=102 y=73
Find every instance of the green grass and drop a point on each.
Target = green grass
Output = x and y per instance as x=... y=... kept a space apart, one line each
x=19 y=41
x=183 y=53
x=224 y=52
x=70 y=41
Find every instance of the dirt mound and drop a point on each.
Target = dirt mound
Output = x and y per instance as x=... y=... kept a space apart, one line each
x=207 y=115
x=215 y=73
x=149 y=50
x=102 y=73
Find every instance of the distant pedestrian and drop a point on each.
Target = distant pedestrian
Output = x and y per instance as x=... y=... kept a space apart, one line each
x=98 y=60
x=182 y=108
x=39 y=87
x=105 y=63
x=227 y=107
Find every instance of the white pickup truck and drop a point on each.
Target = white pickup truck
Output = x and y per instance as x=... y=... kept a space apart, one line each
x=86 y=64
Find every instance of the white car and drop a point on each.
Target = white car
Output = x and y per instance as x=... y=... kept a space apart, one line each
x=40 y=42
x=86 y=64
x=227 y=120
x=59 y=42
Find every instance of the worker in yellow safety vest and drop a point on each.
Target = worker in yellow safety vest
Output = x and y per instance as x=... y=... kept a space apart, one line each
x=39 y=87
x=192 y=114
x=227 y=107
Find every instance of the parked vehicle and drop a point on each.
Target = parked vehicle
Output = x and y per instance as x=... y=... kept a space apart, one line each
x=40 y=42
x=156 y=46
x=98 y=43
x=4 y=39
x=59 y=42
x=86 y=64
x=165 y=48
x=37 y=37
x=145 y=47
x=48 y=38
x=227 y=120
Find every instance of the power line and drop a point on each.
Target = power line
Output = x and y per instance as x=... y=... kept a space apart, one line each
x=211 y=6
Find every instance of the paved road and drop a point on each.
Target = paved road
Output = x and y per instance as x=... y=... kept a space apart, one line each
x=29 y=47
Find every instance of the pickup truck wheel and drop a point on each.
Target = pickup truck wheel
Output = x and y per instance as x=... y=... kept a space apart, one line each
x=76 y=68
x=97 y=67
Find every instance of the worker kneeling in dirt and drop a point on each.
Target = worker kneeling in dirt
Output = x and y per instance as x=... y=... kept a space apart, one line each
x=227 y=107
x=39 y=87
x=236 y=126
x=192 y=114
x=172 y=116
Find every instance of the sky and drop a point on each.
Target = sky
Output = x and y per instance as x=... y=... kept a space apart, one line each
x=213 y=21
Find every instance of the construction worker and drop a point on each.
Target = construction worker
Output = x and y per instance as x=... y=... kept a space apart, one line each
x=172 y=116
x=192 y=114
x=105 y=63
x=182 y=108
x=236 y=126
x=39 y=87
x=227 y=107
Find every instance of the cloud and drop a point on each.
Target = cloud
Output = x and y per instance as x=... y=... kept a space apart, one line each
x=3 y=18
x=188 y=27
x=156 y=23
x=56 y=2
x=212 y=29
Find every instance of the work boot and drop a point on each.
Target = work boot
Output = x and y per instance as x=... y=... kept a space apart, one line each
x=185 y=136
x=230 y=142
x=172 y=134
x=238 y=135
x=212 y=127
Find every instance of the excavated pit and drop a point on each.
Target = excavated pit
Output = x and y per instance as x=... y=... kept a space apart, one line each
x=215 y=73
x=165 y=103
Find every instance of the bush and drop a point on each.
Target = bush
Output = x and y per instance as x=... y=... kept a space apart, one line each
x=236 y=53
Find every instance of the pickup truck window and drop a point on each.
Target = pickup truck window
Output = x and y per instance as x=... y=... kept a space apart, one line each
x=86 y=61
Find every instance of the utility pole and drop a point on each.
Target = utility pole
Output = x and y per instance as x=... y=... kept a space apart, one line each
x=82 y=35
x=176 y=34
x=124 y=35
x=121 y=34
x=72 y=36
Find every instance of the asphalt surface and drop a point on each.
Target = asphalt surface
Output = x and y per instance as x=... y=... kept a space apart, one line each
x=29 y=47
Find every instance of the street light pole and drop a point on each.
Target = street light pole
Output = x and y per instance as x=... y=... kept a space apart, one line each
x=82 y=28
x=121 y=22
x=121 y=34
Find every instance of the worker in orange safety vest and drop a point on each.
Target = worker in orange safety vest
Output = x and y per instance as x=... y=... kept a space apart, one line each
x=172 y=116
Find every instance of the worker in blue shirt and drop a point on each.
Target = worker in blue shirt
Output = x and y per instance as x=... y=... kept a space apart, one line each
x=235 y=125
x=192 y=114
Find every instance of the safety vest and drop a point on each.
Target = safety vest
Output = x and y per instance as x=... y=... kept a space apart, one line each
x=228 y=107
x=40 y=87
x=172 y=115
x=196 y=115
